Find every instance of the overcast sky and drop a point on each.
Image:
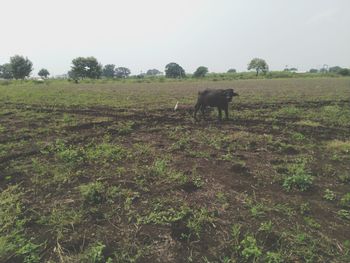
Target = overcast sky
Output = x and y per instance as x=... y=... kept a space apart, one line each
x=141 y=34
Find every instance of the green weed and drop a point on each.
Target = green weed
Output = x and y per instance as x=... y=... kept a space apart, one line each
x=299 y=177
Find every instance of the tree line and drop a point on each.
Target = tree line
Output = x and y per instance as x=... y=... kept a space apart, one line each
x=88 y=67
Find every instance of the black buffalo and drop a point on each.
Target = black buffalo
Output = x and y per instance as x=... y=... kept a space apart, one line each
x=214 y=98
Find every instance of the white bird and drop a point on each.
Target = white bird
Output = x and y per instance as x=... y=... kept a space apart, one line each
x=176 y=106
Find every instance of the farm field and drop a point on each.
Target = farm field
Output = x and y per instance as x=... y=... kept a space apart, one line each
x=108 y=172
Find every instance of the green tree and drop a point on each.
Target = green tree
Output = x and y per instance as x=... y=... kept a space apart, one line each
x=232 y=70
x=335 y=69
x=313 y=70
x=174 y=70
x=122 y=72
x=6 y=71
x=108 y=71
x=200 y=72
x=153 y=72
x=344 y=72
x=20 y=67
x=259 y=65
x=86 y=68
x=44 y=73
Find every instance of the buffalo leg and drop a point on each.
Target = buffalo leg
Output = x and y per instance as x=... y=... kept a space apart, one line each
x=226 y=112
x=196 y=108
x=220 y=113
x=203 y=111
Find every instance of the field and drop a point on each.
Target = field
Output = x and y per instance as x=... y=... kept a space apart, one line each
x=108 y=172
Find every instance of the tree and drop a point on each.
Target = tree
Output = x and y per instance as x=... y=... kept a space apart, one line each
x=153 y=72
x=291 y=69
x=44 y=73
x=174 y=70
x=259 y=65
x=122 y=72
x=313 y=70
x=232 y=70
x=20 y=67
x=200 y=72
x=6 y=71
x=335 y=69
x=86 y=68
x=344 y=72
x=108 y=71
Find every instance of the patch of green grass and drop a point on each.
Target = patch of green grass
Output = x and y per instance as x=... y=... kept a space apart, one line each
x=334 y=114
x=258 y=210
x=122 y=128
x=312 y=222
x=266 y=226
x=273 y=257
x=94 y=253
x=345 y=200
x=290 y=111
x=93 y=192
x=340 y=147
x=66 y=153
x=308 y=123
x=105 y=152
x=297 y=136
x=250 y=249
x=329 y=195
x=62 y=220
x=14 y=245
x=345 y=214
x=298 y=176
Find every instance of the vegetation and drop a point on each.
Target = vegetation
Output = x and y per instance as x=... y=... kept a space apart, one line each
x=44 y=73
x=108 y=71
x=122 y=72
x=106 y=171
x=200 y=72
x=85 y=68
x=174 y=70
x=259 y=65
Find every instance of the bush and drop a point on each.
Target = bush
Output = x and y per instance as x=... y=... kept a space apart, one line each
x=298 y=178
x=92 y=192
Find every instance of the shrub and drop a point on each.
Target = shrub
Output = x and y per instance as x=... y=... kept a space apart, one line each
x=345 y=200
x=298 y=178
x=92 y=192
x=250 y=248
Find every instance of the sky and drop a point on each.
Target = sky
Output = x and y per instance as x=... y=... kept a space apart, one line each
x=143 y=35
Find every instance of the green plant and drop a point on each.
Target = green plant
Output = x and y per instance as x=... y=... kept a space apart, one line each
x=258 y=210
x=297 y=136
x=235 y=234
x=93 y=192
x=198 y=220
x=94 y=254
x=266 y=226
x=345 y=214
x=299 y=177
x=345 y=200
x=181 y=144
x=329 y=195
x=65 y=153
x=312 y=222
x=250 y=248
x=305 y=208
x=159 y=167
x=273 y=257
x=105 y=152
x=125 y=127
x=14 y=245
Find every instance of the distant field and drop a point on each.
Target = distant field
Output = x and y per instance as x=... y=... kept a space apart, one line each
x=108 y=172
